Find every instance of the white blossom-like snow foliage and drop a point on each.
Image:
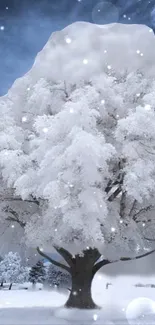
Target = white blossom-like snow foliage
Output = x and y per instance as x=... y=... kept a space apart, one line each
x=79 y=137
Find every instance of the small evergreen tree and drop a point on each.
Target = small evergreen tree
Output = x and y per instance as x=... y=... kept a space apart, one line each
x=37 y=273
x=23 y=275
x=10 y=268
x=58 y=277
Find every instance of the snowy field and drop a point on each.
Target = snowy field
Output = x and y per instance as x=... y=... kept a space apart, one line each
x=45 y=307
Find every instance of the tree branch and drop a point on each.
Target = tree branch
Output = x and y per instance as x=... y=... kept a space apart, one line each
x=132 y=208
x=53 y=261
x=98 y=266
x=135 y=258
x=65 y=254
x=146 y=209
x=15 y=217
x=149 y=239
x=122 y=205
x=21 y=223
x=19 y=199
x=115 y=194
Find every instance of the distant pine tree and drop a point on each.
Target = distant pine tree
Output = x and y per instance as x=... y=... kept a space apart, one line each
x=37 y=273
x=58 y=277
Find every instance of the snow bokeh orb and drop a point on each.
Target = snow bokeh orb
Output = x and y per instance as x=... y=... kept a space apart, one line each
x=105 y=13
x=139 y=308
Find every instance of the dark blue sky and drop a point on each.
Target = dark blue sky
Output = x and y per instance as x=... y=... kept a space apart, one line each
x=29 y=23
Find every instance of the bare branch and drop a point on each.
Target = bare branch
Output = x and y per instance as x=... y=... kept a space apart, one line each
x=98 y=266
x=132 y=208
x=149 y=239
x=123 y=205
x=65 y=254
x=21 y=223
x=19 y=199
x=65 y=267
x=137 y=257
x=15 y=216
x=115 y=194
x=146 y=209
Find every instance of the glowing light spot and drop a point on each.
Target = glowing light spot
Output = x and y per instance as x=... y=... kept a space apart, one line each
x=85 y=61
x=138 y=51
x=102 y=101
x=95 y=317
x=2 y=28
x=24 y=119
x=121 y=221
x=41 y=249
x=55 y=229
x=138 y=95
x=124 y=16
x=105 y=51
x=141 y=54
x=109 y=67
x=113 y=229
x=71 y=110
x=143 y=224
x=45 y=130
x=68 y=40
x=12 y=226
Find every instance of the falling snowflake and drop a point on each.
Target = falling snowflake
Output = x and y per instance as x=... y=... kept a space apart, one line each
x=2 y=28
x=113 y=229
x=102 y=101
x=95 y=317
x=45 y=130
x=24 y=119
x=85 y=61
x=68 y=40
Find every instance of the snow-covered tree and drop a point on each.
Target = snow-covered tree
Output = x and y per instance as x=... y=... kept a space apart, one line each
x=10 y=268
x=37 y=273
x=23 y=274
x=57 y=277
x=81 y=150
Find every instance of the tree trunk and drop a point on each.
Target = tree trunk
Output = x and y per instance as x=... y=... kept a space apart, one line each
x=82 y=274
x=10 y=286
x=82 y=269
x=2 y=284
x=80 y=295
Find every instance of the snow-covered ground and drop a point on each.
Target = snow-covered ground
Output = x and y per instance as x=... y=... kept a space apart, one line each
x=27 y=307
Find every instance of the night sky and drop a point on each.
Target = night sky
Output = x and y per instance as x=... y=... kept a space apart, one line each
x=25 y=26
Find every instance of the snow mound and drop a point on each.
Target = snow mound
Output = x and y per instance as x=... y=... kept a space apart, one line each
x=139 y=308
x=83 y=50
